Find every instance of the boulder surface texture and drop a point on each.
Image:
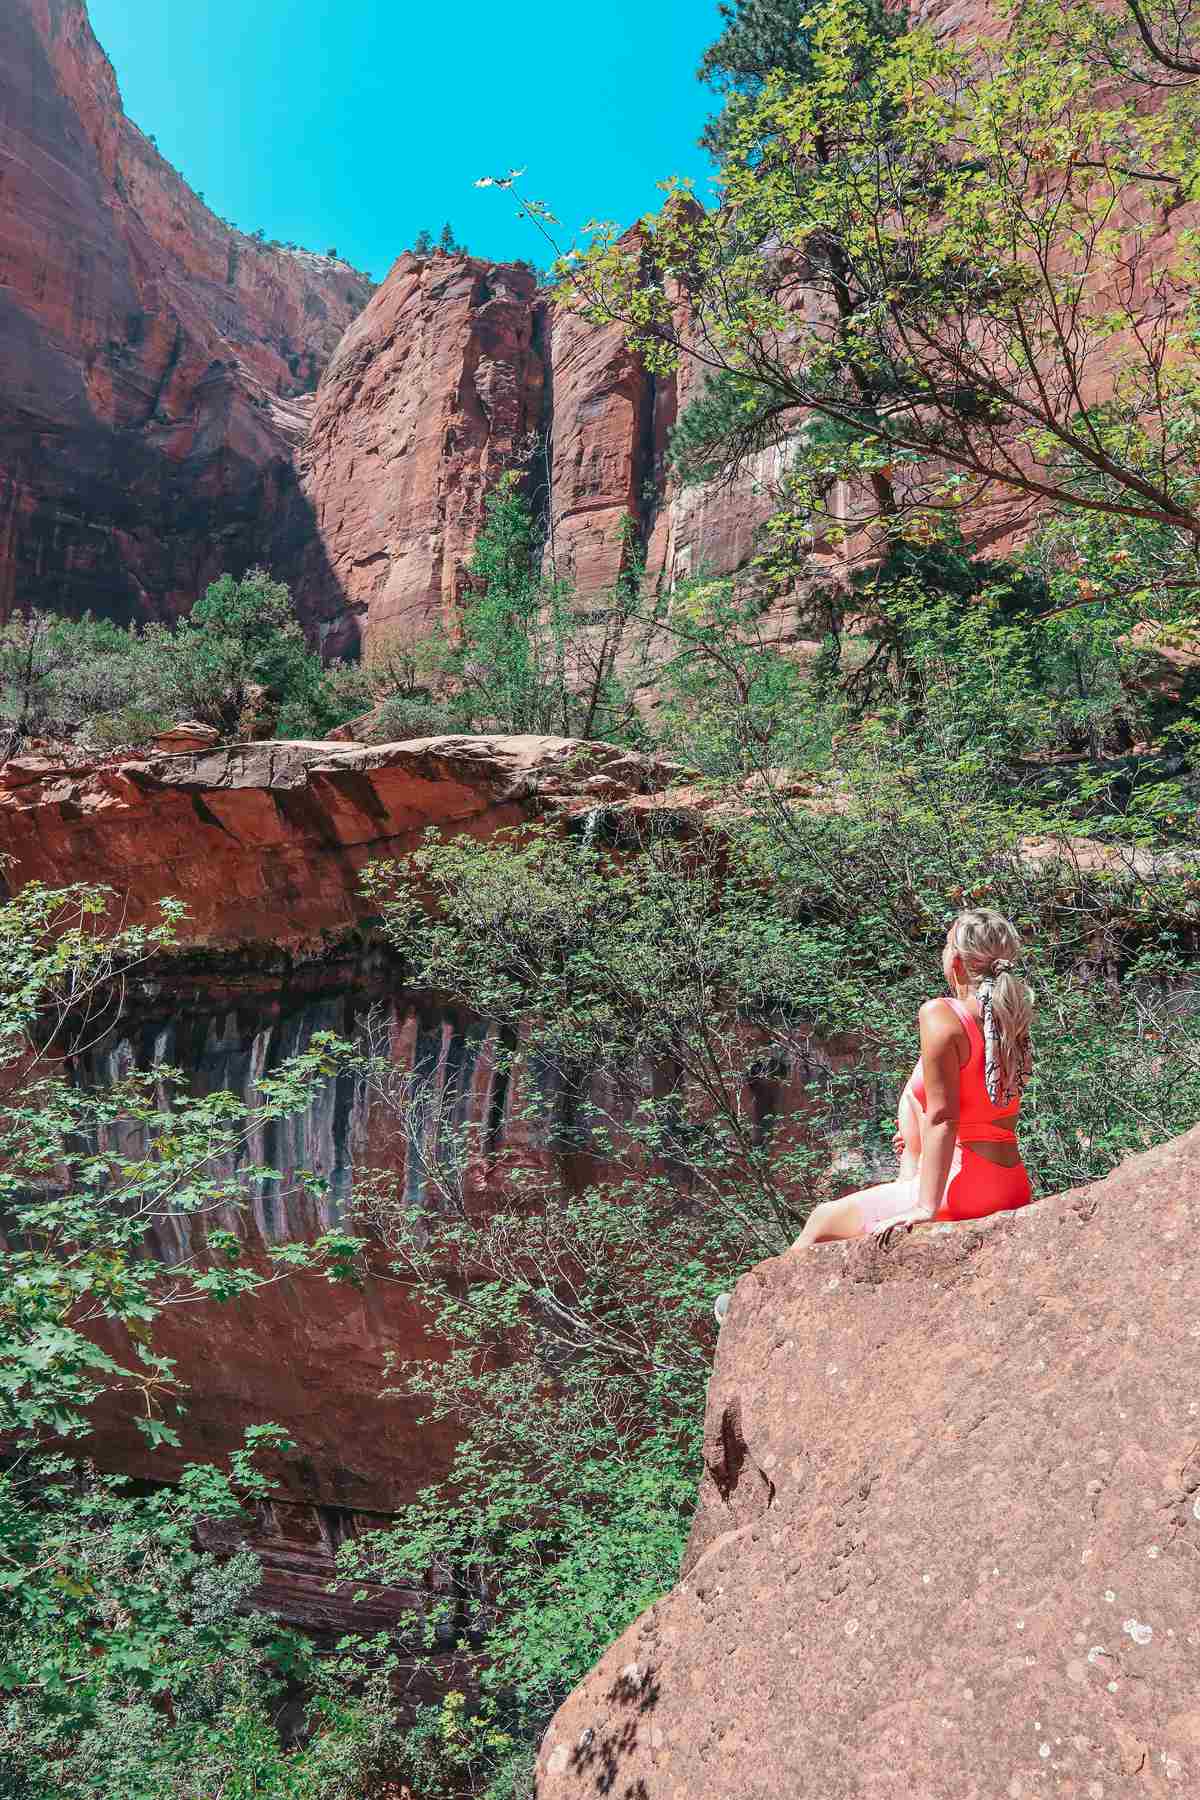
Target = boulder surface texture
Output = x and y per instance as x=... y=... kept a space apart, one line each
x=948 y=1534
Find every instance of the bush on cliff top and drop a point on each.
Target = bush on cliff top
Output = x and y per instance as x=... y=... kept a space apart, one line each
x=239 y=662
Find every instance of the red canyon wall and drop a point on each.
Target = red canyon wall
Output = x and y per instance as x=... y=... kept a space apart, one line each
x=156 y=368
x=161 y=419
x=158 y=420
x=264 y=843
x=434 y=392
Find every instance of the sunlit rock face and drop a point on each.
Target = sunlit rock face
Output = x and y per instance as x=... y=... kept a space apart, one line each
x=947 y=1526
x=265 y=843
x=156 y=368
x=432 y=395
x=177 y=399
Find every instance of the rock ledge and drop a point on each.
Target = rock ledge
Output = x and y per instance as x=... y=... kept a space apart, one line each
x=947 y=1545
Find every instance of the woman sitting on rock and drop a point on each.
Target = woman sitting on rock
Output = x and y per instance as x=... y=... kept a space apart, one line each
x=955 y=1125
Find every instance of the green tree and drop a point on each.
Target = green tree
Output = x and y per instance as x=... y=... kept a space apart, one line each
x=973 y=227
x=128 y=1662
x=423 y=243
x=759 y=39
x=237 y=662
x=526 y=658
x=72 y=679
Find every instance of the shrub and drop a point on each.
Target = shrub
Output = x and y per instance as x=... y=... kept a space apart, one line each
x=129 y=1661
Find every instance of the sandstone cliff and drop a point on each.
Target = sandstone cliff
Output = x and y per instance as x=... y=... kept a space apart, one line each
x=458 y=370
x=156 y=368
x=948 y=1531
x=158 y=421
x=264 y=842
x=177 y=399
x=433 y=393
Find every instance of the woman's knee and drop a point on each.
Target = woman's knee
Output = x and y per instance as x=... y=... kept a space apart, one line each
x=831 y=1219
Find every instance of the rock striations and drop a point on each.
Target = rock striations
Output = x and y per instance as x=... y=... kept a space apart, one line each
x=264 y=842
x=947 y=1545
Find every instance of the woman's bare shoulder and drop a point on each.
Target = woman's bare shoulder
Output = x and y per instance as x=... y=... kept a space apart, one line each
x=938 y=1019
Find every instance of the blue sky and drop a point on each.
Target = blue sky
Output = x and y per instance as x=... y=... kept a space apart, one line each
x=357 y=122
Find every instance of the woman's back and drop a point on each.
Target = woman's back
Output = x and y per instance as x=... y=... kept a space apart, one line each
x=980 y=1120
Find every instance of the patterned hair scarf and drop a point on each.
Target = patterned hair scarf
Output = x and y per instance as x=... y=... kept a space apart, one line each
x=998 y=1093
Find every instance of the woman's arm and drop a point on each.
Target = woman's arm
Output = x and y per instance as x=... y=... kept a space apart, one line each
x=907 y=1141
x=941 y=1067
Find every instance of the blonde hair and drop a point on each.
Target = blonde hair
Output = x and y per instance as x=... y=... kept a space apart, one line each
x=988 y=947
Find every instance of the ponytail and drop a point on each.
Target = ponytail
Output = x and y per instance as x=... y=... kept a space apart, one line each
x=988 y=945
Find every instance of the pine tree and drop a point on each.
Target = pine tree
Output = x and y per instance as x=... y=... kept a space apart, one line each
x=446 y=241
x=423 y=245
x=762 y=35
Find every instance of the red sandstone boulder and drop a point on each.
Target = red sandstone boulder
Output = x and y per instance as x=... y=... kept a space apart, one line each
x=190 y=735
x=948 y=1539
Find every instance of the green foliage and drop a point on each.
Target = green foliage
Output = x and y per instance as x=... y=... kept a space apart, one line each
x=971 y=225
x=662 y=1011
x=133 y=1663
x=238 y=655
x=239 y=662
x=129 y=1662
x=56 y=674
x=761 y=38
x=526 y=658
x=575 y=1474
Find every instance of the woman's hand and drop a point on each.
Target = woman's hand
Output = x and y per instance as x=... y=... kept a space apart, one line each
x=889 y=1229
x=899 y=1143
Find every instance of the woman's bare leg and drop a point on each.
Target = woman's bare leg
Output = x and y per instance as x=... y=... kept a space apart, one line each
x=832 y=1219
x=856 y=1214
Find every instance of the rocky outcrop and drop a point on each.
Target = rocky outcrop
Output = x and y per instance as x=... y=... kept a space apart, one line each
x=434 y=392
x=156 y=367
x=458 y=371
x=607 y=437
x=948 y=1534
x=264 y=842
